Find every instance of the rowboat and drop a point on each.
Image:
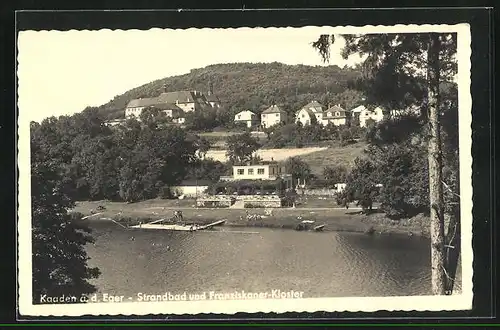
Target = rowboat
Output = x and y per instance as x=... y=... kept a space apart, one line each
x=305 y=225
x=319 y=228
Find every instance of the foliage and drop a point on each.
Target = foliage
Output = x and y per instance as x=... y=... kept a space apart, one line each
x=297 y=135
x=394 y=76
x=299 y=169
x=208 y=169
x=58 y=238
x=290 y=198
x=203 y=120
x=129 y=162
x=335 y=174
x=241 y=147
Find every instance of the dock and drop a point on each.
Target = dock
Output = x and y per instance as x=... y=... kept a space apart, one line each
x=177 y=227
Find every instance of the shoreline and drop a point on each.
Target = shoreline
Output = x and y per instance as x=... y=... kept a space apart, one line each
x=334 y=219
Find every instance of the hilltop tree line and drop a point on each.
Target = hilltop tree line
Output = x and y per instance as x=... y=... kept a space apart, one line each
x=254 y=86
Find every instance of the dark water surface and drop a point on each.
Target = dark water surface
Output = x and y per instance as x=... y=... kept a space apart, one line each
x=328 y=264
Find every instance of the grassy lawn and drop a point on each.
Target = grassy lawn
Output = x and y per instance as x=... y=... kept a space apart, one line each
x=313 y=201
x=335 y=155
x=316 y=157
x=268 y=154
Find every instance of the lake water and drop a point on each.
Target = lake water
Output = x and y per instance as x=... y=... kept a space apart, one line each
x=328 y=264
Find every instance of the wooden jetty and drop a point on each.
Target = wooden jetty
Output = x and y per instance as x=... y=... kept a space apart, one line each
x=177 y=227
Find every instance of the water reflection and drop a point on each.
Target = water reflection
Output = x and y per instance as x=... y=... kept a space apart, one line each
x=320 y=264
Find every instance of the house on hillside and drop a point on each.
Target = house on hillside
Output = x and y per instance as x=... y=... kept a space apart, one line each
x=311 y=110
x=365 y=114
x=169 y=109
x=273 y=116
x=186 y=101
x=335 y=115
x=262 y=171
x=246 y=117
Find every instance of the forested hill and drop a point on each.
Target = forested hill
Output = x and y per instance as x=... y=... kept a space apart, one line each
x=252 y=86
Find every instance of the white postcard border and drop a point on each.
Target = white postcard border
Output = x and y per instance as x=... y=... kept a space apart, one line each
x=462 y=301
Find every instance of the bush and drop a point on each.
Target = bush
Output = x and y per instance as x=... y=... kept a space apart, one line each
x=252 y=206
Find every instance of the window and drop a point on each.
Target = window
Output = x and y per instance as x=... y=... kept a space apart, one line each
x=260 y=171
x=329 y=114
x=239 y=116
x=337 y=114
x=250 y=171
x=240 y=171
x=277 y=115
x=303 y=115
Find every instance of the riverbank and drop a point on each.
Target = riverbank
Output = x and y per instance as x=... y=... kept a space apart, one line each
x=334 y=219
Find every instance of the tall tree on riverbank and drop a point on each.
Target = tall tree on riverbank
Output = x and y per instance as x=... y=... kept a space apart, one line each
x=58 y=239
x=240 y=147
x=400 y=71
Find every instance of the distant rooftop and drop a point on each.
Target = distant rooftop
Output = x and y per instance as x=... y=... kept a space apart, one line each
x=273 y=109
x=314 y=106
x=168 y=97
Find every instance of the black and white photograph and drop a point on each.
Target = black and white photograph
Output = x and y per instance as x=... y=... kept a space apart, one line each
x=226 y=170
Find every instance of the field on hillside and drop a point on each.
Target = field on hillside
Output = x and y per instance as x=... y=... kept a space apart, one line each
x=316 y=157
x=345 y=156
x=268 y=154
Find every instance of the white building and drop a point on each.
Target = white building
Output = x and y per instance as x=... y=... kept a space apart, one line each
x=263 y=171
x=187 y=101
x=273 y=116
x=365 y=114
x=311 y=110
x=190 y=188
x=170 y=110
x=246 y=117
x=336 y=116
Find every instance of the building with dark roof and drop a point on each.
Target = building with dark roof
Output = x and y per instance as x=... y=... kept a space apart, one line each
x=170 y=102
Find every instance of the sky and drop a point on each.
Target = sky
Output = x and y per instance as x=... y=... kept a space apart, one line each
x=62 y=72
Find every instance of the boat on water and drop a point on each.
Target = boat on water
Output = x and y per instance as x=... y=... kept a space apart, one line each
x=319 y=228
x=177 y=227
x=307 y=225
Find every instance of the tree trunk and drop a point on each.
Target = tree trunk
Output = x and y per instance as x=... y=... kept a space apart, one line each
x=435 y=170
